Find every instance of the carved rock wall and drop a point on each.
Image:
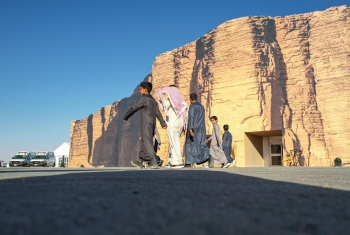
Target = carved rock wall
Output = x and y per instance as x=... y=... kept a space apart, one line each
x=255 y=74
x=316 y=50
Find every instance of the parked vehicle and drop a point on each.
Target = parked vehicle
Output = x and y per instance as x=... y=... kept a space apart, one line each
x=43 y=158
x=22 y=158
x=4 y=164
x=51 y=159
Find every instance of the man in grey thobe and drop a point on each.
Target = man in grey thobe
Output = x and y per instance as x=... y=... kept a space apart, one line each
x=216 y=143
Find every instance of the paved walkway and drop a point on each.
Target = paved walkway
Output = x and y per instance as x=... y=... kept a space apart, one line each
x=271 y=200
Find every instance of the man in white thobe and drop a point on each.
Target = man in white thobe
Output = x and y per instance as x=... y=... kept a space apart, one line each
x=176 y=114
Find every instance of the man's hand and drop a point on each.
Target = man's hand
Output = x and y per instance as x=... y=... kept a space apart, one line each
x=191 y=133
x=206 y=141
x=165 y=127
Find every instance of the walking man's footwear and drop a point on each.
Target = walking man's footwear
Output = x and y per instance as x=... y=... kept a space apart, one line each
x=211 y=162
x=153 y=165
x=160 y=163
x=137 y=163
x=168 y=165
x=177 y=166
x=227 y=164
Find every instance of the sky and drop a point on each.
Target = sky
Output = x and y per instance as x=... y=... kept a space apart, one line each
x=62 y=60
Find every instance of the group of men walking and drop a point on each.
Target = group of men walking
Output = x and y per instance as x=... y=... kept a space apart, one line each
x=178 y=121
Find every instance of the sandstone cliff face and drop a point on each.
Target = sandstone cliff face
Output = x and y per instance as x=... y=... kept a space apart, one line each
x=256 y=74
x=104 y=138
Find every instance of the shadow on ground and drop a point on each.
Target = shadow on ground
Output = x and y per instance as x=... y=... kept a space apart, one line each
x=168 y=202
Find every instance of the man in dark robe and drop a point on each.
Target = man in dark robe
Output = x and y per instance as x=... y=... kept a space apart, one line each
x=196 y=150
x=227 y=146
x=149 y=113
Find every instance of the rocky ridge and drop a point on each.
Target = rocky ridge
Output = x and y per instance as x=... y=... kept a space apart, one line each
x=256 y=74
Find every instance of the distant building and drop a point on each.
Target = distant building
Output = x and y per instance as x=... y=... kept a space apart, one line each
x=62 y=155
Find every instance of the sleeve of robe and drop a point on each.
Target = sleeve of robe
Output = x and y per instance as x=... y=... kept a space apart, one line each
x=140 y=104
x=217 y=133
x=224 y=139
x=156 y=133
x=210 y=138
x=160 y=117
x=191 y=119
x=227 y=141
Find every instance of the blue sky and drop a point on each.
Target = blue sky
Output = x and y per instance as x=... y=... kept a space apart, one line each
x=63 y=60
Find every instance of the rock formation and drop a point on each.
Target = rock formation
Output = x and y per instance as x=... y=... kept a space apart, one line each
x=256 y=74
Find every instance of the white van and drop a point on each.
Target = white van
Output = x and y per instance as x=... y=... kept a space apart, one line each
x=43 y=158
x=51 y=159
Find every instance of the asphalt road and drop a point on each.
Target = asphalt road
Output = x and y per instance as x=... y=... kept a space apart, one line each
x=248 y=201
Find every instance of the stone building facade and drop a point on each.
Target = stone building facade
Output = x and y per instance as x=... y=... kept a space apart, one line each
x=280 y=83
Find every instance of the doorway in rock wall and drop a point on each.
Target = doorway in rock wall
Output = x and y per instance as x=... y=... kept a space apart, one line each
x=263 y=148
x=276 y=154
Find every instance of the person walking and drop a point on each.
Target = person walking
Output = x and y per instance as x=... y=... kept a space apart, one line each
x=216 y=144
x=196 y=150
x=149 y=112
x=227 y=146
x=175 y=109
